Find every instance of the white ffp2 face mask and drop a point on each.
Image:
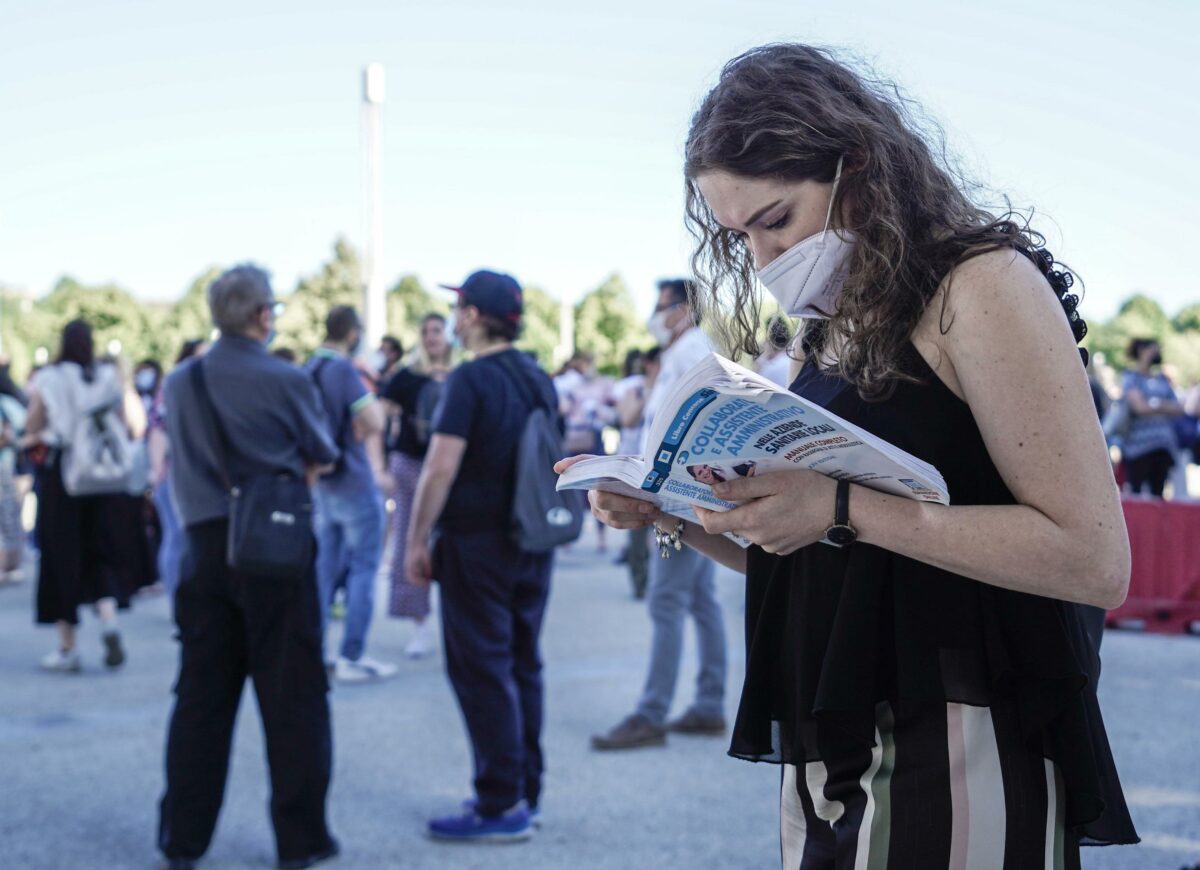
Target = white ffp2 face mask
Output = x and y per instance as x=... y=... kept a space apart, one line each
x=807 y=278
x=657 y=326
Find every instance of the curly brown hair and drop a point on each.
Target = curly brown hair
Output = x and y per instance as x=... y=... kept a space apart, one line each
x=790 y=111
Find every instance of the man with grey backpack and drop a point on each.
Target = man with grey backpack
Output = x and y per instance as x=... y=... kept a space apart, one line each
x=487 y=498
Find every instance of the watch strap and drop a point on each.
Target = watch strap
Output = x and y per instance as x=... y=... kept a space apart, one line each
x=841 y=509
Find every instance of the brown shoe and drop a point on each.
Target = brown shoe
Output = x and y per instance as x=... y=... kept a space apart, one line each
x=692 y=722
x=634 y=731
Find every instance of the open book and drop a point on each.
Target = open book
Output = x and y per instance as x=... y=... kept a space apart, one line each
x=721 y=421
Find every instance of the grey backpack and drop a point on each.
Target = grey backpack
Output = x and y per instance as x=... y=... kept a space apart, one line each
x=98 y=454
x=542 y=517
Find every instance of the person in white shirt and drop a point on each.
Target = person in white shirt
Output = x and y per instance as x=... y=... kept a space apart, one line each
x=629 y=394
x=684 y=583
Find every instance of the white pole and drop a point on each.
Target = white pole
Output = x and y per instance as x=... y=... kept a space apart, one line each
x=566 y=330
x=374 y=291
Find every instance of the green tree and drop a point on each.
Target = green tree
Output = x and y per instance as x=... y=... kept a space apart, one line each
x=1138 y=317
x=190 y=318
x=407 y=302
x=1181 y=350
x=25 y=327
x=116 y=318
x=337 y=282
x=540 y=330
x=1188 y=319
x=1142 y=316
x=608 y=325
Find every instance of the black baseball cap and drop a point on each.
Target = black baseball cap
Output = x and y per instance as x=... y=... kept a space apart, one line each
x=493 y=293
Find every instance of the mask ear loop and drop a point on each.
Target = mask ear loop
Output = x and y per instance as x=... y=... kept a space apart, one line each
x=837 y=177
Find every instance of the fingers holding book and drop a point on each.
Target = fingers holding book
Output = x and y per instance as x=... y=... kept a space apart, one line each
x=622 y=512
x=563 y=464
x=779 y=511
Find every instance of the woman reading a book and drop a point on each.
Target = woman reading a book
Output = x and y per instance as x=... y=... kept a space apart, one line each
x=920 y=671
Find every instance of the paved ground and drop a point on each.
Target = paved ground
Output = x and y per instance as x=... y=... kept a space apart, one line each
x=80 y=756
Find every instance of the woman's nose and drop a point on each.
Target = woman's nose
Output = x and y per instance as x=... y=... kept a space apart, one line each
x=759 y=262
x=763 y=252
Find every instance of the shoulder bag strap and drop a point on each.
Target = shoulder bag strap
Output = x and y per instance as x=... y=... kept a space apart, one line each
x=212 y=421
x=344 y=418
x=523 y=385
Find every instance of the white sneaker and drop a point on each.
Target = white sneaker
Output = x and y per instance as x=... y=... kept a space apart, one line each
x=364 y=670
x=421 y=644
x=58 y=660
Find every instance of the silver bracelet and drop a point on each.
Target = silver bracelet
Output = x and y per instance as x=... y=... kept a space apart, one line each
x=667 y=541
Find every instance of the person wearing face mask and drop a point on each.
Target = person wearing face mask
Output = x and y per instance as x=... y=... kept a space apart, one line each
x=412 y=396
x=683 y=585
x=235 y=624
x=493 y=593
x=629 y=394
x=349 y=513
x=1148 y=449
x=587 y=405
x=147 y=378
x=927 y=685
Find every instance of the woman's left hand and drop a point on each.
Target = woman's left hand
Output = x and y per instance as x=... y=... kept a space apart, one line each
x=781 y=511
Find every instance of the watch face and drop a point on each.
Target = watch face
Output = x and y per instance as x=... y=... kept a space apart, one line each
x=841 y=535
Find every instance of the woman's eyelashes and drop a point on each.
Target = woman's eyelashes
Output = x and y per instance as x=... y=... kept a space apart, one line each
x=779 y=223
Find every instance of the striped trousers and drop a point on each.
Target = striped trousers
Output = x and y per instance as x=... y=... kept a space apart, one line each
x=959 y=791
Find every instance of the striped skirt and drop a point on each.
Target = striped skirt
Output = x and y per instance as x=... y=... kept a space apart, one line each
x=959 y=791
x=406 y=600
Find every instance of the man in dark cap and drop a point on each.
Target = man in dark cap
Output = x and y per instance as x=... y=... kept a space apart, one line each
x=493 y=593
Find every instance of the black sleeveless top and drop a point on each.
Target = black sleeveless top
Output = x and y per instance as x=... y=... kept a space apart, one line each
x=830 y=633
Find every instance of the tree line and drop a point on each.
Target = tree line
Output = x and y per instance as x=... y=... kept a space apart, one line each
x=607 y=320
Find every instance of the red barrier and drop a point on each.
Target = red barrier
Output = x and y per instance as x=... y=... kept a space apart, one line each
x=1164 y=589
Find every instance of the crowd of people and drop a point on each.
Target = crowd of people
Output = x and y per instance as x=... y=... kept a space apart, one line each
x=926 y=680
x=136 y=472
x=395 y=446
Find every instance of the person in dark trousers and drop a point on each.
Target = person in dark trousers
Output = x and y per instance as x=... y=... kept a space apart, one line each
x=493 y=593
x=1149 y=448
x=78 y=564
x=233 y=625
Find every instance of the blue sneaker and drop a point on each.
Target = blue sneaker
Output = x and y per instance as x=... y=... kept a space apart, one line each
x=470 y=827
x=535 y=813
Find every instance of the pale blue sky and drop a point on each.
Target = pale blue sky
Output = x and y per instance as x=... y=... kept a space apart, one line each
x=142 y=141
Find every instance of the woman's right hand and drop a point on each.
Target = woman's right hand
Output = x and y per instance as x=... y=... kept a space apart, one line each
x=615 y=511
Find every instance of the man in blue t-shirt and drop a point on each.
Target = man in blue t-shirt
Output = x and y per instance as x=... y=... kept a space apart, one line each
x=493 y=593
x=350 y=515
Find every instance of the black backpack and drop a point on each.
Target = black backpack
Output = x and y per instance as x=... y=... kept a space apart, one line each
x=542 y=517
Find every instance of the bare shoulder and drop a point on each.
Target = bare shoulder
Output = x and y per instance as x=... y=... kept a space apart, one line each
x=990 y=306
x=989 y=290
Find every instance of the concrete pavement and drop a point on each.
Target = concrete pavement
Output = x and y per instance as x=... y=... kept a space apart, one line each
x=81 y=755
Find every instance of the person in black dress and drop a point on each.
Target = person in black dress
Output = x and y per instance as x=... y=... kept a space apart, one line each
x=928 y=686
x=79 y=564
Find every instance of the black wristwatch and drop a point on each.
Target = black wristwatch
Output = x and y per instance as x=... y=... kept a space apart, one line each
x=841 y=533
